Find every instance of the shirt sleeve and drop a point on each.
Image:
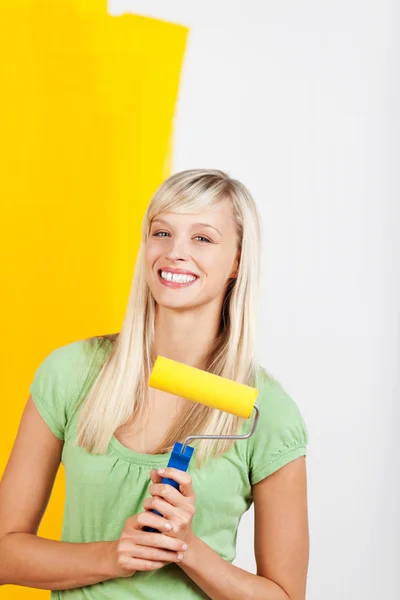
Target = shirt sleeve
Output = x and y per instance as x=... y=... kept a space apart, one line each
x=281 y=434
x=56 y=384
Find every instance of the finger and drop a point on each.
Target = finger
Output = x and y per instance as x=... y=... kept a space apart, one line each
x=129 y=545
x=149 y=553
x=169 y=493
x=155 y=477
x=150 y=519
x=168 y=511
x=181 y=477
x=159 y=540
x=137 y=564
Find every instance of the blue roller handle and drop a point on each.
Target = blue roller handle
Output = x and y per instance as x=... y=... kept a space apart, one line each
x=177 y=460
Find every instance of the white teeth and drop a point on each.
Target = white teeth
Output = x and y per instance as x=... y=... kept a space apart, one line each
x=178 y=278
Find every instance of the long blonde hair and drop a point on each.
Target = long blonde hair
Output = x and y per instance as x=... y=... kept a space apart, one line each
x=119 y=391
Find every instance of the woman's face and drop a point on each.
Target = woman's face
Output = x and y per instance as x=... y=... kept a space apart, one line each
x=202 y=245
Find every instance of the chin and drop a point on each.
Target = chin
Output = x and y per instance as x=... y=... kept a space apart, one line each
x=174 y=305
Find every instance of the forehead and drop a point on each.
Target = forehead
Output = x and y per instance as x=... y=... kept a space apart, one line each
x=220 y=215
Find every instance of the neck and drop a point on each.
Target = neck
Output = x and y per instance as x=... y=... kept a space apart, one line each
x=186 y=336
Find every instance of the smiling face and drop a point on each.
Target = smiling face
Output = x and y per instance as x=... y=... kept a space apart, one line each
x=203 y=245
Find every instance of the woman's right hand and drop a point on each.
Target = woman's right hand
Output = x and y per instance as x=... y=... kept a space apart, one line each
x=138 y=550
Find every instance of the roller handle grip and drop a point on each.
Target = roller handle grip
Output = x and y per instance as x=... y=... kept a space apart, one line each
x=177 y=460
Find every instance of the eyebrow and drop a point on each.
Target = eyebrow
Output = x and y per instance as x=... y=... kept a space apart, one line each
x=194 y=224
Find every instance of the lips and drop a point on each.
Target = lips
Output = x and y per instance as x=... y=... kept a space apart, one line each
x=176 y=284
x=177 y=271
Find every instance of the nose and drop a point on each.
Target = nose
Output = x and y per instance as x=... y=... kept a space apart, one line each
x=177 y=249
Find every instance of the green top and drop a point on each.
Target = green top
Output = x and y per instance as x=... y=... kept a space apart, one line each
x=102 y=491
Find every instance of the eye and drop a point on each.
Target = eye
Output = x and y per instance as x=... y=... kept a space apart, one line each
x=202 y=237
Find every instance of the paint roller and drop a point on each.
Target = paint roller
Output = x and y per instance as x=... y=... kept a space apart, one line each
x=208 y=389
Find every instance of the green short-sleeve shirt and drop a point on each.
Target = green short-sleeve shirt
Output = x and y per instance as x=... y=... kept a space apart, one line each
x=102 y=491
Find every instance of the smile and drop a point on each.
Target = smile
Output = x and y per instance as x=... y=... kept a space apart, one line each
x=176 y=281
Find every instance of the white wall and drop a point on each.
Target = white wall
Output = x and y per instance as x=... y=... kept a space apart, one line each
x=298 y=100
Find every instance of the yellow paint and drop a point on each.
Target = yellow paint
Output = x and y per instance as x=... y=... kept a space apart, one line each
x=86 y=107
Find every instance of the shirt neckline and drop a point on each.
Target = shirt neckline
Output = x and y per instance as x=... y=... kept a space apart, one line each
x=138 y=457
x=132 y=456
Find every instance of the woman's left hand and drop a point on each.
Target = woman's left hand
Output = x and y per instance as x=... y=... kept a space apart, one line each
x=176 y=506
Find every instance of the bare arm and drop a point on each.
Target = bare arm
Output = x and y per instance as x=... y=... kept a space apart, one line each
x=281 y=528
x=25 y=558
x=281 y=545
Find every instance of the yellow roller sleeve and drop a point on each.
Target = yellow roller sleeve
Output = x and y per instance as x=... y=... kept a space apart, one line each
x=203 y=387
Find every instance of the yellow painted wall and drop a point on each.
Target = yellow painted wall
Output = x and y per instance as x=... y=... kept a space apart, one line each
x=86 y=110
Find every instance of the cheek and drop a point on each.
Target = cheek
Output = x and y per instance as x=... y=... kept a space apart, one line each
x=150 y=255
x=216 y=269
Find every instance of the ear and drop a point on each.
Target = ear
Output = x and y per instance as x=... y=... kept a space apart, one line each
x=234 y=273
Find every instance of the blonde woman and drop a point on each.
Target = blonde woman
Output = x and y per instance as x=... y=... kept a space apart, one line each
x=90 y=407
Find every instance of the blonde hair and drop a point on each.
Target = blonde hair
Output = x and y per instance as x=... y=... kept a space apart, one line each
x=119 y=391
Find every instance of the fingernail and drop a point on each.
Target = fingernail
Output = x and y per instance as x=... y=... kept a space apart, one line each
x=184 y=547
x=180 y=556
x=160 y=470
x=167 y=526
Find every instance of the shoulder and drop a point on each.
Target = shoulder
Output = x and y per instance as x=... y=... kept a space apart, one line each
x=70 y=354
x=274 y=400
x=73 y=357
x=60 y=377
x=66 y=363
x=281 y=434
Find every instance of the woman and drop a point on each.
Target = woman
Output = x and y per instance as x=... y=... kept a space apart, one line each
x=90 y=407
